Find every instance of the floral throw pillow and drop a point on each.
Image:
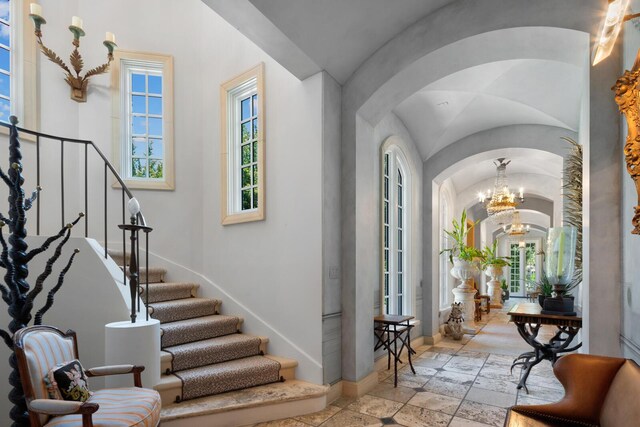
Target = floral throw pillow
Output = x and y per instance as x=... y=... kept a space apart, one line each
x=67 y=381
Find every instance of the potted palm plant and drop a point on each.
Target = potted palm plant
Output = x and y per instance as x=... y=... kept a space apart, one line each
x=493 y=266
x=464 y=258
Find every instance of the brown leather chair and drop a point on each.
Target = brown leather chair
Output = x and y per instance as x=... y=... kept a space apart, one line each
x=599 y=391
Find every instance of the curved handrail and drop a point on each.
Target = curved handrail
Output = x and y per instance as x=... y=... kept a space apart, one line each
x=141 y=218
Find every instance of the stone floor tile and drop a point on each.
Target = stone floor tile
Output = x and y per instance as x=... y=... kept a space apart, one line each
x=412 y=416
x=288 y=422
x=409 y=379
x=524 y=399
x=436 y=402
x=491 y=397
x=447 y=388
x=461 y=422
x=397 y=394
x=343 y=401
x=445 y=357
x=482 y=413
x=456 y=377
x=440 y=348
x=375 y=406
x=351 y=418
x=318 y=418
x=503 y=384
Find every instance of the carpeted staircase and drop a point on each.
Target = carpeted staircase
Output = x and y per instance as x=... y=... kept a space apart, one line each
x=203 y=352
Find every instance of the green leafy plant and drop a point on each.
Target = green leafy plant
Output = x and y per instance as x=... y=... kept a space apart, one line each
x=503 y=284
x=459 y=237
x=490 y=257
x=543 y=285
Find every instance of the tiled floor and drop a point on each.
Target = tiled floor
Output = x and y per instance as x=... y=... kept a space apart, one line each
x=457 y=384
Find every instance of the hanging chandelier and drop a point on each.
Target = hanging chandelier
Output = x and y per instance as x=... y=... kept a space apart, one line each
x=502 y=203
x=517 y=227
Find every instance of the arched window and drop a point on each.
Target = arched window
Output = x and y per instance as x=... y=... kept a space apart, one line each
x=395 y=233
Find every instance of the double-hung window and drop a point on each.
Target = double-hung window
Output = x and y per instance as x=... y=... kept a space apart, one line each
x=145 y=113
x=395 y=242
x=242 y=147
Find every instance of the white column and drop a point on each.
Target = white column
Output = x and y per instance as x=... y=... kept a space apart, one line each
x=137 y=343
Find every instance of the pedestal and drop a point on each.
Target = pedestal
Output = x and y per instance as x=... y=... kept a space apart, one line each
x=495 y=292
x=137 y=343
x=466 y=297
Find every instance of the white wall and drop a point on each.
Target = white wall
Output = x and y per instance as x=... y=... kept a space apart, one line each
x=262 y=266
x=88 y=299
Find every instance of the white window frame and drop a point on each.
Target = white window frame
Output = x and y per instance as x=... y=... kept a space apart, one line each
x=150 y=63
x=232 y=92
x=445 y=277
x=397 y=161
x=23 y=57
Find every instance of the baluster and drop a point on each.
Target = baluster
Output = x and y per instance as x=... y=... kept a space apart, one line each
x=38 y=184
x=105 y=210
x=86 y=194
x=124 y=247
x=146 y=246
x=62 y=178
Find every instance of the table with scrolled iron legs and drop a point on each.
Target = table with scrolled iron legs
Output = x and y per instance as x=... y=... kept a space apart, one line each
x=528 y=319
x=388 y=330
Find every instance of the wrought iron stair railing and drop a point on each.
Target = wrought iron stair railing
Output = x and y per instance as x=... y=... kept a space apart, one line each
x=86 y=147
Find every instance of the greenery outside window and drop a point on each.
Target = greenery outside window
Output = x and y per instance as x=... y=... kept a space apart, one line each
x=242 y=147
x=143 y=119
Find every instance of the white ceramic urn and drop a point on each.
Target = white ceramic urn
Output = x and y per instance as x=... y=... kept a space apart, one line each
x=464 y=271
x=493 y=285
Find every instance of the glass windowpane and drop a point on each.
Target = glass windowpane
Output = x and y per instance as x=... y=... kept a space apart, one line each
x=245 y=130
x=255 y=174
x=246 y=199
x=155 y=126
x=155 y=105
x=139 y=168
x=5 y=109
x=246 y=154
x=246 y=177
x=255 y=197
x=4 y=59
x=5 y=85
x=156 y=169
x=255 y=128
x=138 y=147
x=155 y=84
x=138 y=83
x=139 y=104
x=255 y=105
x=5 y=10
x=255 y=151
x=5 y=33
x=139 y=125
x=245 y=109
x=156 y=148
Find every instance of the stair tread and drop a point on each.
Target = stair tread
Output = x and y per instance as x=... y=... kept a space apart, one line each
x=167 y=291
x=212 y=342
x=181 y=309
x=165 y=356
x=264 y=395
x=189 y=330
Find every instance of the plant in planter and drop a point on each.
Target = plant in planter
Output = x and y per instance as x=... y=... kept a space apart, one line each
x=464 y=258
x=493 y=265
x=544 y=287
x=559 y=268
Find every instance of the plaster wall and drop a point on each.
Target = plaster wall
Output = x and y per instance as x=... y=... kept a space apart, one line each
x=260 y=267
x=89 y=281
x=413 y=59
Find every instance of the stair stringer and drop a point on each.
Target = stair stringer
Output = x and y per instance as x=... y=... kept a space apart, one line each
x=309 y=368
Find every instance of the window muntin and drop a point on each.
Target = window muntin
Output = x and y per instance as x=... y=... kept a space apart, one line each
x=394 y=241
x=242 y=147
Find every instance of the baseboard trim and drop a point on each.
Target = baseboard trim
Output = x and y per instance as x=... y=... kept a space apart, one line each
x=360 y=388
x=433 y=340
x=334 y=393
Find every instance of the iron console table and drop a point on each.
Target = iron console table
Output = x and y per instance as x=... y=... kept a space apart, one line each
x=528 y=318
x=388 y=330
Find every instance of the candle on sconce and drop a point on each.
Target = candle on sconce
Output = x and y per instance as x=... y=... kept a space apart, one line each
x=76 y=21
x=110 y=37
x=35 y=9
x=521 y=192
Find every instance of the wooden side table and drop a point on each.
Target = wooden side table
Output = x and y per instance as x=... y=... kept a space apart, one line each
x=388 y=330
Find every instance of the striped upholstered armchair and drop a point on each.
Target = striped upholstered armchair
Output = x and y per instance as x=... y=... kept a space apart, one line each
x=41 y=348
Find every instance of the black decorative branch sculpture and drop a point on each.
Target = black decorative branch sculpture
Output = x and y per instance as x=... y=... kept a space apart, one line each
x=14 y=258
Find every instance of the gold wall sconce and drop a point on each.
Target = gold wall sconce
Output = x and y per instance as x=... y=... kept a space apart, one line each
x=627 y=90
x=77 y=82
